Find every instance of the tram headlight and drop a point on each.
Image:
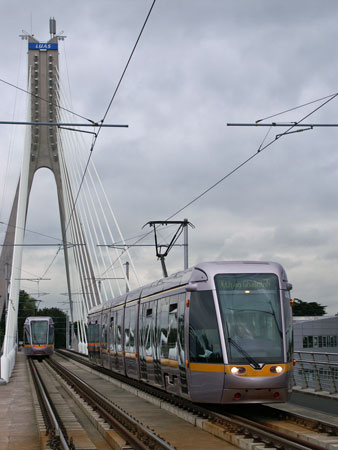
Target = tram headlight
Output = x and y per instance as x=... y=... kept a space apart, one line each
x=276 y=369
x=238 y=370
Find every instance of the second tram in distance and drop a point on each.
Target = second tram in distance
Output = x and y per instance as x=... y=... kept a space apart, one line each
x=38 y=339
x=220 y=332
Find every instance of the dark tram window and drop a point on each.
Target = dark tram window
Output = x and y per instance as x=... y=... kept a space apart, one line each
x=130 y=329
x=51 y=334
x=119 y=317
x=148 y=332
x=112 y=335
x=127 y=329
x=163 y=316
x=172 y=331
x=204 y=341
x=26 y=337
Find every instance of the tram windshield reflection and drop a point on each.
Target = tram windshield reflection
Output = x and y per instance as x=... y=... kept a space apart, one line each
x=251 y=313
x=39 y=332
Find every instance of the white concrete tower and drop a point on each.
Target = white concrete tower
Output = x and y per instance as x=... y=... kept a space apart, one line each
x=41 y=152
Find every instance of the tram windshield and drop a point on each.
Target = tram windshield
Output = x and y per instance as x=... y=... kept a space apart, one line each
x=251 y=315
x=39 y=332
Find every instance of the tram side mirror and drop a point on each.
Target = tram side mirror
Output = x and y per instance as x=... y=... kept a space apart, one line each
x=191 y=287
x=288 y=286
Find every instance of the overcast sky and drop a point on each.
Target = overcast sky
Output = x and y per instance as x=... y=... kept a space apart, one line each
x=199 y=65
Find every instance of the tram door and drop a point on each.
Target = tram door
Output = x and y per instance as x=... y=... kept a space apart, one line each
x=206 y=367
x=104 y=356
x=181 y=345
x=119 y=340
x=147 y=327
x=112 y=343
x=130 y=340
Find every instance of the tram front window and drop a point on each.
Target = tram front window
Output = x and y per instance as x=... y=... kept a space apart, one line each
x=204 y=341
x=39 y=332
x=251 y=316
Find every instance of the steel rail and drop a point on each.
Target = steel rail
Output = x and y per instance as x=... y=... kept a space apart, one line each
x=53 y=423
x=274 y=437
x=133 y=432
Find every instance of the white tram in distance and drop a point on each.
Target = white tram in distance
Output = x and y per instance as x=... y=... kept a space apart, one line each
x=38 y=339
x=220 y=332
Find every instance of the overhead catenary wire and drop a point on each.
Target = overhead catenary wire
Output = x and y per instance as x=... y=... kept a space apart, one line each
x=296 y=107
x=260 y=149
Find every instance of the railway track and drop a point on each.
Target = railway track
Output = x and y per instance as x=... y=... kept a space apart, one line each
x=57 y=437
x=242 y=429
x=134 y=433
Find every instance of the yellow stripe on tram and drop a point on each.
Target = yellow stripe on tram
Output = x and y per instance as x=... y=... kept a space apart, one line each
x=200 y=367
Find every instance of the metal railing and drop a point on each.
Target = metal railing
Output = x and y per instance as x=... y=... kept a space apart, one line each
x=316 y=370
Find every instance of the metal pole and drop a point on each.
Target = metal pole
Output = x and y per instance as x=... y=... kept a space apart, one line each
x=164 y=269
x=67 y=331
x=185 y=225
x=127 y=275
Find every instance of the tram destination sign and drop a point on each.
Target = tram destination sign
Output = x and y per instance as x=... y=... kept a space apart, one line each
x=42 y=46
x=245 y=282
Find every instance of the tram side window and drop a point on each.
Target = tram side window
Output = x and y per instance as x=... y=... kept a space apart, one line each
x=93 y=332
x=96 y=333
x=104 y=333
x=147 y=331
x=89 y=333
x=288 y=324
x=181 y=310
x=129 y=329
x=126 y=329
x=51 y=334
x=172 y=330
x=119 y=317
x=27 y=340
x=111 y=335
x=204 y=341
x=163 y=320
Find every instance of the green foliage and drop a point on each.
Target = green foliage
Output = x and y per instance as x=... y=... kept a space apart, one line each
x=59 y=319
x=27 y=307
x=301 y=308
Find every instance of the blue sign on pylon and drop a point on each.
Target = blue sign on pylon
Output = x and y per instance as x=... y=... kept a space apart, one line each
x=43 y=46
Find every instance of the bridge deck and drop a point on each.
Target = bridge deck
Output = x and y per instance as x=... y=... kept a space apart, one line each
x=18 y=426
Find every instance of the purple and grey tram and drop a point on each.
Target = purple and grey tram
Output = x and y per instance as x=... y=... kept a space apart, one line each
x=219 y=332
x=38 y=336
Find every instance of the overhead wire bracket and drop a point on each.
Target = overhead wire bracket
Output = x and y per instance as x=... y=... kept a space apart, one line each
x=161 y=255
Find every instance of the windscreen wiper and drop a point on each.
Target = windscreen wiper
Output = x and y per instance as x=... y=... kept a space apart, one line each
x=244 y=353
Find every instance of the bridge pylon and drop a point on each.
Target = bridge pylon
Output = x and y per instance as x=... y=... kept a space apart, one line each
x=41 y=151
